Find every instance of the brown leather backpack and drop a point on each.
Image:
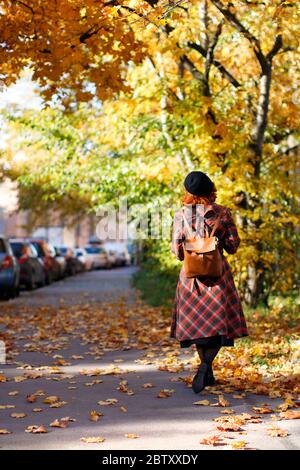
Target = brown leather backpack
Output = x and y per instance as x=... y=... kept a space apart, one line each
x=202 y=256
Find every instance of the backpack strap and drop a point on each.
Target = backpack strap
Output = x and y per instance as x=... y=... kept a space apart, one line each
x=186 y=225
x=216 y=224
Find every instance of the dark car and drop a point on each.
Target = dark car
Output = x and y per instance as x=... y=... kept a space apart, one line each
x=47 y=254
x=9 y=271
x=74 y=265
x=32 y=273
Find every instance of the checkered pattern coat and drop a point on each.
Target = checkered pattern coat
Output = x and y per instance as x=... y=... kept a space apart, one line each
x=207 y=307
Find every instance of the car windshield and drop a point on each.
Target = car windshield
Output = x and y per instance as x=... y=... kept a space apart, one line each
x=39 y=249
x=17 y=248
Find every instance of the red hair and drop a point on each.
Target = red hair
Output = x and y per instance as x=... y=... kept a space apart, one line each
x=189 y=198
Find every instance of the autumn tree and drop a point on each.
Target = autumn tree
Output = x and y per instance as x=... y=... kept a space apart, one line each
x=206 y=84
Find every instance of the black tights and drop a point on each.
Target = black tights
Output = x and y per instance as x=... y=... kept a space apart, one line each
x=207 y=355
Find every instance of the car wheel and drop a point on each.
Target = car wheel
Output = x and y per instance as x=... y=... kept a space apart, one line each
x=49 y=279
x=30 y=285
x=42 y=282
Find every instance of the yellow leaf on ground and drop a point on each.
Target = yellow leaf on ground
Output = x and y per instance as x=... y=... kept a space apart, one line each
x=290 y=414
x=4 y=431
x=202 y=403
x=108 y=401
x=276 y=432
x=238 y=445
x=51 y=399
x=93 y=440
x=18 y=415
x=36 y=429
x=131 y=436
x=95 y=415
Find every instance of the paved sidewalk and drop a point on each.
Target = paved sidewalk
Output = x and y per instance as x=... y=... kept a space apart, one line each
x=161 y=423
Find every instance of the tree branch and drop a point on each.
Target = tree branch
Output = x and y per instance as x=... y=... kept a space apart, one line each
x=224 y=72
x=235 y=22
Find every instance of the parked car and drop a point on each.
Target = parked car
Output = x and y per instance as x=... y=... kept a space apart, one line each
x=9 y=271
x=85 y=258
x=47 y=254
x=99 y=256
x=120 y=252
x=74 y=265
x=60 y=258
x=112 y=258
x=32 y=273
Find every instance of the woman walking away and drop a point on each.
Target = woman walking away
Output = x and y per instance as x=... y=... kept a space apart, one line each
x=208 y=310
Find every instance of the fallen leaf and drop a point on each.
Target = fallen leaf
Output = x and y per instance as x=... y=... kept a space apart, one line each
x=108 y=401
x=212 y=441
x=95 y=415
x=222 y=401
x=276 y=432
x=228 y=427
x=13 y=393
x=36 y=429
x=166 y=393
x=238 y=445
x=131 y=436
x=290 y=414
x=227 y=411
x=123 y=409
x=51 y=399
x=148 y=385
x=4 y=431
x=58 y=404
x=37 y=410
x=31 y=398
x=59 y=423
x=262 y=410
x=93 y=440
x=202 y=403
x=18 y=415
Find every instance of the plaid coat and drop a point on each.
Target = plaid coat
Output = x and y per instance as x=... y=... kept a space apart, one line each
x=207 y=307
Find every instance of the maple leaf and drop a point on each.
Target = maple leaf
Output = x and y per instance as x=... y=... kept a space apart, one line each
x=18 y=415
x=59 y=423
x=229 y=426
x=212 y=441
x=36 y=429
x=4 y=431
x=93 y=440
x=290 y=414
x=238 y=445
x=95 y=415
x=31 y=398
x=108 y=401
x=276 y=432
x=262 y=409
x=51 y=399
x=202 y=403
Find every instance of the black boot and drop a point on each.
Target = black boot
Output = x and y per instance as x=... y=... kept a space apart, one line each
x=198 y=383
x=209 y=378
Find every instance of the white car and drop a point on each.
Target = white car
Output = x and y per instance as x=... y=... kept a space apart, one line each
x=120 y=253
x=98 y=256
x=85 y=258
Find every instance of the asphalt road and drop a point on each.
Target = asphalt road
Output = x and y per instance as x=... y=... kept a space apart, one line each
x=171 y=423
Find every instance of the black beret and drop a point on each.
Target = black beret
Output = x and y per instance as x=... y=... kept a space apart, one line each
x=198 y=183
